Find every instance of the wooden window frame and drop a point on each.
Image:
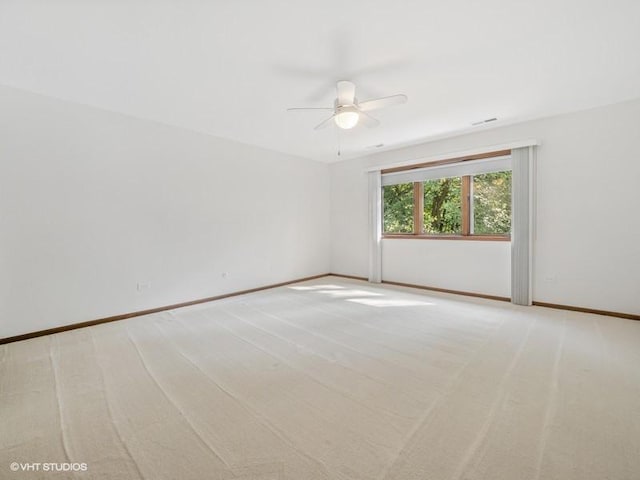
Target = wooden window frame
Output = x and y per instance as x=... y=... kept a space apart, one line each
x=418 y=203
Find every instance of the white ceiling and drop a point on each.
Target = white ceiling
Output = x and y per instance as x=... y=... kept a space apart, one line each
x=231 y=68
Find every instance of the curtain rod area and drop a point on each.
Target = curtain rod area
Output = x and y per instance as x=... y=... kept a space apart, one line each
x=458 y=154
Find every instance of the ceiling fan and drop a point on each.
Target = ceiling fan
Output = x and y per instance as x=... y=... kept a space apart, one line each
x=348 y=112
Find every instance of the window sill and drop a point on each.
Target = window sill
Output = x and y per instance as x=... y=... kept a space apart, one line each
x=482 y=238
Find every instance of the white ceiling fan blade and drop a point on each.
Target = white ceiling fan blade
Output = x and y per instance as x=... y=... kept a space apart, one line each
x=346 y=92
x=324 y=123
x=297 y=109
x=368 y=121
x=383 y=102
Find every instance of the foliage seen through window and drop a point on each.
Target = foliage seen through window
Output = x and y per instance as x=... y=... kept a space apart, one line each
x=474 y=205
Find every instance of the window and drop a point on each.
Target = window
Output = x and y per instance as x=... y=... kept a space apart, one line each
x=471 y=206
x=442 y=209
x=398 y=208
x=491 y=203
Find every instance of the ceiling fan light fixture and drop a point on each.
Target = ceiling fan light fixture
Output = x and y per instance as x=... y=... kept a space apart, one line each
x=347 y=118
x=349 y=112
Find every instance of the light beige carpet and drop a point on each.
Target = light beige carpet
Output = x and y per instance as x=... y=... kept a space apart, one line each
x=329 y=379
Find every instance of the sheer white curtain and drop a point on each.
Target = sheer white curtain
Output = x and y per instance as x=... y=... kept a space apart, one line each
x=375 y=227
x=522 y=190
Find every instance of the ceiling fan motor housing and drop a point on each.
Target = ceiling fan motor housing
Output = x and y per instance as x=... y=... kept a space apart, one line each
x=337 y=107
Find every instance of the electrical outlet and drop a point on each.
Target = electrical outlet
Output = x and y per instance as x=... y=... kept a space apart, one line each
x=550 y=278
x=224 y=274
x=141 y=287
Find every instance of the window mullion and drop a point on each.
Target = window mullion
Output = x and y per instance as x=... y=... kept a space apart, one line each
x=466 y=205
x=418 y=208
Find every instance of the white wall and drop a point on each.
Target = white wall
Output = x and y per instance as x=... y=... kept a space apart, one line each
x=587 y=245
x=93 y=203
x=468 y=266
